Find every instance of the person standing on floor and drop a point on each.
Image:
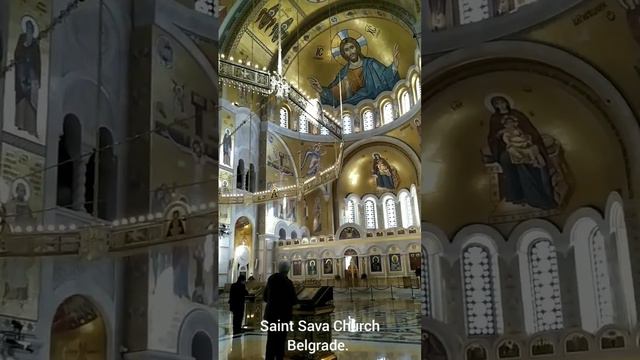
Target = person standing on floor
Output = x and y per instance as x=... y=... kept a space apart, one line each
x=280 y=296
x=237 y=295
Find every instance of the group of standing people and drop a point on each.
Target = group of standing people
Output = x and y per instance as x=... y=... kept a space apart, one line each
x=279 y=296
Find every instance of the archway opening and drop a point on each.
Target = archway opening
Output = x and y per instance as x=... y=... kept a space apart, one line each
x=201 y=347
x=242 y=243
x=78 y=331
x=68 y=152
x=432 y=347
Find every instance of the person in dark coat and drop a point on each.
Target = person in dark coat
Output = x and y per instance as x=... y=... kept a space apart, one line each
x=280 y=296
x=237 y=294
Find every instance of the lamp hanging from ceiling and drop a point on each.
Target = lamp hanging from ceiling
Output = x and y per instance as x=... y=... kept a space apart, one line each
x=279 y=85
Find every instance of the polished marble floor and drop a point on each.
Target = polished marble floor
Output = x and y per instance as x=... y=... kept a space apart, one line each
x=398 y=338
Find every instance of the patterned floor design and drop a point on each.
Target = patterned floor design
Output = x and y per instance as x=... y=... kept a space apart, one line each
x=398 y=338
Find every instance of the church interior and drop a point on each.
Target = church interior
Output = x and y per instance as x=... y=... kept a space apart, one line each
x=530 y=153
x=108 y=179
x=320 y=166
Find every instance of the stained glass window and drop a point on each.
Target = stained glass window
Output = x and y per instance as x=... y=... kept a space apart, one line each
x=479 y=291
x=370 y=214
x=346 y=124
x=284 y=117
x=303 y=126
x=390 y=207
x=545 y=283
x=367 y=119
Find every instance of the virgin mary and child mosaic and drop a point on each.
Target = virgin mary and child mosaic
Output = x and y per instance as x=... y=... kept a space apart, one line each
x=528 y=167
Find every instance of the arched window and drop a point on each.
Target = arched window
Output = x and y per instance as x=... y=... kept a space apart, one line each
x=473 y=10
x=593 y=277
x=68 y=153
x=367 y=120
x=623 y=271
x=284 y=117
x=387 y=112
x=390 y=211
x=240 y=174
x=282 y=234
x=601 y=275
x=201 y=347
x=545 y=286
x=346 y=124
x=406 y=208
x=480 y=296
x=370 y=218
x=405 y=102
x=303 y=124
x=416 y=89
x=350 y=212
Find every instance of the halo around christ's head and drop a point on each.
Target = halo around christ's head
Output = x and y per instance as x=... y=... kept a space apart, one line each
x=343 y=34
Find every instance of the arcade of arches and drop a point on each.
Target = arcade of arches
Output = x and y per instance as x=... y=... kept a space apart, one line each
x=326 y=176
x=530 y=182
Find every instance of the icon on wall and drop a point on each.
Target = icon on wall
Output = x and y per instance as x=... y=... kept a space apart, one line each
x=27 y=77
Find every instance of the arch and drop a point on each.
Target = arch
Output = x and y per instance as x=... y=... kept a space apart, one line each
x=69 y=150
x=623 y=272
x=370 y=209
x=347 y=124
x=284 y=113
x=240 y=174
x=415 y=84
x=87 y=287
x=432 y=249
x=618 y=111
x=407 y=213
x=282 y=234
x=450 y=340
x=538 y=265
x=593 y=276
x=406 y=149
x=78 y=325
x=368 y=119
x=404 y=102
x=387 y=113
x=480 y=270
x=201 y=346
x=303 y=123
x=578 y=341
x=389 y=211
x=196 y=322
x=351 y=209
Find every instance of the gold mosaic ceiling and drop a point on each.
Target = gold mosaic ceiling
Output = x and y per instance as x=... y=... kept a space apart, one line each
x=250 y=31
